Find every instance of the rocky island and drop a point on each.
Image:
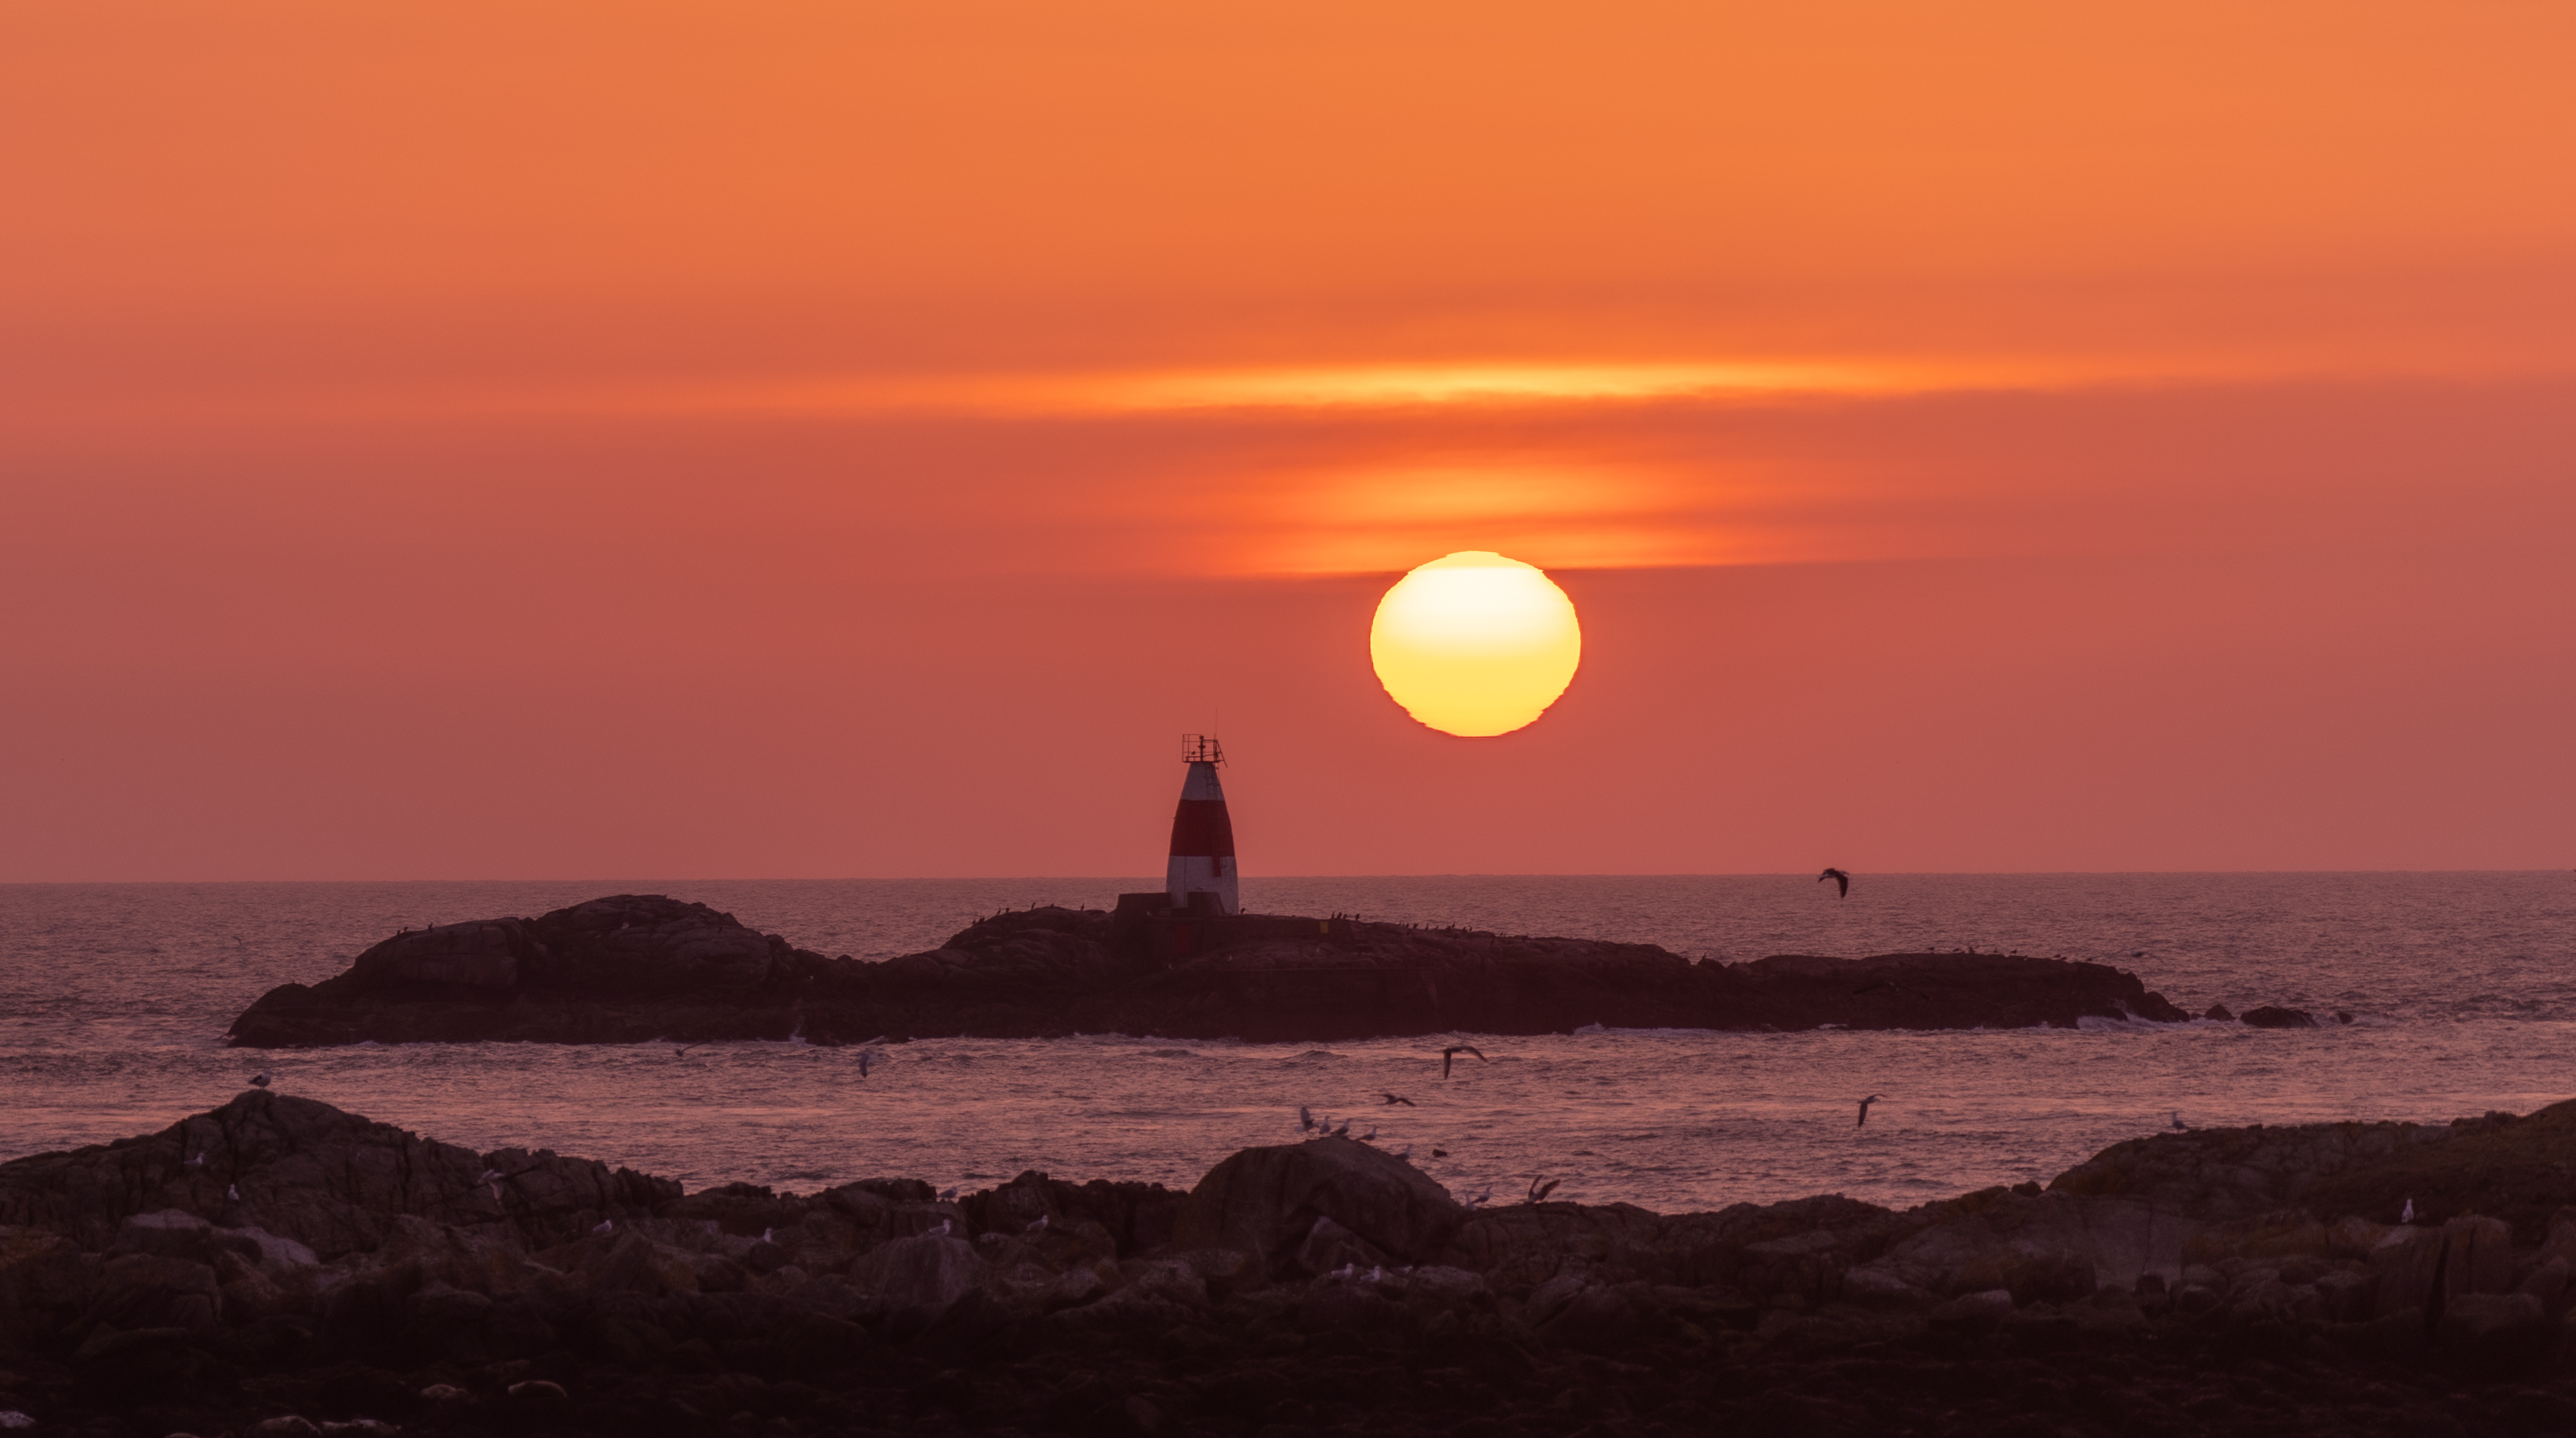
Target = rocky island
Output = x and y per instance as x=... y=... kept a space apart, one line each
x=279 y=1267
x=633 y=968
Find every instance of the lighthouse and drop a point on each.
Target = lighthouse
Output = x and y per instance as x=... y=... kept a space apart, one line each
x=1202 y=833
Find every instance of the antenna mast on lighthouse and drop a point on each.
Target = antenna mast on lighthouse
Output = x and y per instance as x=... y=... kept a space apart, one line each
x=1203 y=833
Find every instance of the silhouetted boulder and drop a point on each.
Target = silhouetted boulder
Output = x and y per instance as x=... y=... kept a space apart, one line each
x=2272 y=1016
x=1267 y=1203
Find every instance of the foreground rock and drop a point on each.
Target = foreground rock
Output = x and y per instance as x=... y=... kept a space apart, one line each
x=2221 y=1281
x=634 y=968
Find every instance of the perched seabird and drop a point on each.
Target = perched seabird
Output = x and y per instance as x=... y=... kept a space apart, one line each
x=948 y=1195
x=2179 y=1125
x=1450 y=1054
x=2408 y=1215
x=196 y=1160
x=1864 y=1109
x=769 y=1235
x=490 y=1175
x=1395 y=1098
x=1481 y=1199
x=1368 y=1137
x=1305 y=1119
x=1407 y=1153
x=259 y=1079
x=1842 y=882
x=1038 y=1227
x=1377 y=1273
x=1439 y=1153
x=1538 y=1191
x=604 y=1226
x=233 y=1192
x=1344 y=1131
x=945 y=1225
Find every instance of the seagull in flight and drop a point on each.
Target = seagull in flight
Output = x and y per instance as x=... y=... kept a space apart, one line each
x=1538 y=1191
x=682 y=1051
x=1842 y=882
x=1395 y=1098
x=1450 y=1054
x=1864 y=1109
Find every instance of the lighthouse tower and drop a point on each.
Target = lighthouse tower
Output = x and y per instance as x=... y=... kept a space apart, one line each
x=1202 y=834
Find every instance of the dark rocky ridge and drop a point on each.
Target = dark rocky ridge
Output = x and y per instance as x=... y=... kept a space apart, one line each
x=2237 y=1280
x=640 y=967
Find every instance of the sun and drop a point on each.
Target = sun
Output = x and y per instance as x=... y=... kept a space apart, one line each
x=1475 y=644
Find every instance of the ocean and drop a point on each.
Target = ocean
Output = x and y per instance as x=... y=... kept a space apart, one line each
x=114 y=998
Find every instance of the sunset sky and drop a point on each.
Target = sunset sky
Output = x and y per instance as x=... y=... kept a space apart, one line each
x=696 y=440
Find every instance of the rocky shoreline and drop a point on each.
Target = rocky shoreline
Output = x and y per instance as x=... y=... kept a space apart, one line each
x=277 y=1266
x=633 y=968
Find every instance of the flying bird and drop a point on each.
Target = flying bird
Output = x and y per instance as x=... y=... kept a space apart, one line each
x=1864 y=1109
x=1450 y=1054
x=259 y=1079
x=1480 y=1200
x=1394 y=1098
x=682 y=1051
x=1842 y=882
x=1538 y=1191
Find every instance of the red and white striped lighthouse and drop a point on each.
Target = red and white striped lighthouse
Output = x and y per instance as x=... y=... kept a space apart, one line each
x=1202 y=833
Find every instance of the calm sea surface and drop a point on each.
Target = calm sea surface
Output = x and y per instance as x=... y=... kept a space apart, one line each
x=113 y=998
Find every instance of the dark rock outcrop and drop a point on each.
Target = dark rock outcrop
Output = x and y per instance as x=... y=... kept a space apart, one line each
x=1316 y=1206
x=634 y=968
x=2209 y=1281
x=2273 y=1016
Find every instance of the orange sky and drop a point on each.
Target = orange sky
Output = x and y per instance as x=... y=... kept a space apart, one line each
x=850 y=440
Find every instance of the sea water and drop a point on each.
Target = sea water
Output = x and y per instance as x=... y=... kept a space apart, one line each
x=2462 y=986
